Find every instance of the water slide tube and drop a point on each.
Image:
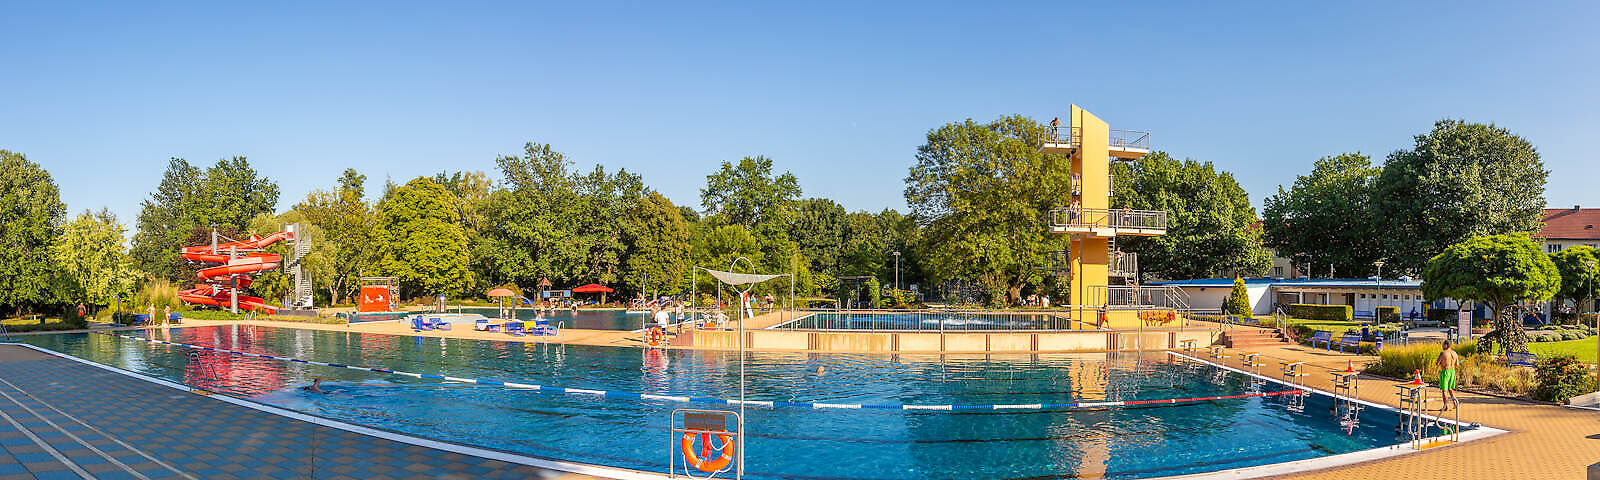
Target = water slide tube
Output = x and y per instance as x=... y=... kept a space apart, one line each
x=220 y=284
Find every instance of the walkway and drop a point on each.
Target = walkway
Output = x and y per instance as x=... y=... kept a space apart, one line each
x=61 y=419
x=1545 y=441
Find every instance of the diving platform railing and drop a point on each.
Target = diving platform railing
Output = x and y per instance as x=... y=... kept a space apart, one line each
x=1139 y=297
x=1120 y=265
x=1124 y=144
x=1103 y=222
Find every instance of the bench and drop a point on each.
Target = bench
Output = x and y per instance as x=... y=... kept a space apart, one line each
x=1324 y=336
x=1521 y=359
x=1353 y=340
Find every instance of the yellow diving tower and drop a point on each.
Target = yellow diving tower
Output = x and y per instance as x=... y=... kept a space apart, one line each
x=1093 y=259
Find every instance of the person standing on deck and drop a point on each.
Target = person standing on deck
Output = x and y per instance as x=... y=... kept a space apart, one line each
x=1448 y=362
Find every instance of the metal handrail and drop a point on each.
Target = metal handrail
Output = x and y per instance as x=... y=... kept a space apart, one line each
x=1125 y=296
x=1125 y=139
x=1059 y=318
x=1062 y=217
x=1123 y=264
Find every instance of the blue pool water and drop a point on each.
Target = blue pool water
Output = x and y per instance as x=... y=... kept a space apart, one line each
x=934 y=321
x=1126 y=442
x=601 y=319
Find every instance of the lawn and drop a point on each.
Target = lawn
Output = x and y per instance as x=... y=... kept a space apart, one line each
x=1583 y=349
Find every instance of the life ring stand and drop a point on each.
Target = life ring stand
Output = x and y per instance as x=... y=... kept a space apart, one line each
x=707 y=464
x=655 y=336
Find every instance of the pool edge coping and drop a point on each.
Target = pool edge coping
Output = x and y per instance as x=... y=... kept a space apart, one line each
x=537 y=462
x=1332 y=461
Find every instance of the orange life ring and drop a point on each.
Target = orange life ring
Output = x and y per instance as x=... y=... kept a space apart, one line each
x=707 y=464
x=654 y=336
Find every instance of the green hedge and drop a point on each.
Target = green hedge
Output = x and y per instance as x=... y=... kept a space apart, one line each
x=1388 y=314
x=1320 y=312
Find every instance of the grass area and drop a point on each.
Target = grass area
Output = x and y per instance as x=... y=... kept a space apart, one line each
x=1583 y=349
x=30 y=324
x=222 y=315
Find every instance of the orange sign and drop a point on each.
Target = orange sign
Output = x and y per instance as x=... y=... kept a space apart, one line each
x=374 y=298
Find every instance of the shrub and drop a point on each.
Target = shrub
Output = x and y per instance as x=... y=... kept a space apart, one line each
x=1238 y=302
x=1320 y=312
x=1399 y=361
x=1388 y=314
x=1559 y=378
x=1570 y=336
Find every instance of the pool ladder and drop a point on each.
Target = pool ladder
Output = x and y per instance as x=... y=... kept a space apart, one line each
x=1416 y=422
x=204 y=369
x=1252 y=363
x=1294 y=374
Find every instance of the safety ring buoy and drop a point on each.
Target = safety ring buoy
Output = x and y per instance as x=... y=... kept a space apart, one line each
x=707 y=464
x=654 y=337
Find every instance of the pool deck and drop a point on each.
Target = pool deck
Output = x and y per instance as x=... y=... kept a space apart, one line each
x=63 y=419
x=1544 y=441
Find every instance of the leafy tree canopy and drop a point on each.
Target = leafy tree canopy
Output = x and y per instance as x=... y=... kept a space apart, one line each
x=423 y=241
x=749 y=193
x=30 y=221
x=983 y=191
x=1209 y=219
x=225 y=196
x=1497 y=270
x=1580 y=273
x=92 y=255
x=1459 y=181
x=1327 y=217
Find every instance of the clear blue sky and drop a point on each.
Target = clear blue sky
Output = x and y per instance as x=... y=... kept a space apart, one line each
x=840 y=94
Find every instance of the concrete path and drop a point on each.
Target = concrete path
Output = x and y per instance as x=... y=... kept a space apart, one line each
x=61 y=419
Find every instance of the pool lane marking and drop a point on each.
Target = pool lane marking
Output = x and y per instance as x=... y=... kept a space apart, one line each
x=761 y=403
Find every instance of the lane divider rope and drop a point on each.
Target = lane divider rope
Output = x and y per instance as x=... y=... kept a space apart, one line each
x=721 y=401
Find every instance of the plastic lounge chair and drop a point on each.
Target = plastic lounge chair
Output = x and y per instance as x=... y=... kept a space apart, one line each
x=514 y=329
x=439 y=323
x=543 y=328
x=175 y=317
x=1324 y=336
x=483 y=325
x=1521 y=359
x=419 y=324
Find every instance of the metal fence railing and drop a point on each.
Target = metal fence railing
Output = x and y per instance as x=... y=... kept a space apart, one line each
x=1067 y=217
x=1121 y=139
x=1139 y=296
x=956 y=320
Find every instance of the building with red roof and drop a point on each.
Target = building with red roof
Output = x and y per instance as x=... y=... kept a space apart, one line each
x=1569 y=227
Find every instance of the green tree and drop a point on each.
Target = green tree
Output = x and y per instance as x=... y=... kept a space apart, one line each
x=819 y=231
x=1239 y=300
x=659 y=246
x=346 y=221
x=983 y=191
x=1208 y=219
x=1326 y=218
x=1580 y=272
x=605 y=201
x=1461 y=180
x=225 y=196
x=749 y=193
x=30 y=221
x=92 y=255
x=1499 y=271
x=423 y=241
x=716 y=247
x=532 y=223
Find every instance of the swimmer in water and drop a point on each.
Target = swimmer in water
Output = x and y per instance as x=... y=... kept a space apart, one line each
x=821 y=369
x=315 y=386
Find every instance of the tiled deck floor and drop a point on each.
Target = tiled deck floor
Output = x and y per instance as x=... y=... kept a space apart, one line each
x=60 y=419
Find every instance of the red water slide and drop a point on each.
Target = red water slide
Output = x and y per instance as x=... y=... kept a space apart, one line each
x=238 y=261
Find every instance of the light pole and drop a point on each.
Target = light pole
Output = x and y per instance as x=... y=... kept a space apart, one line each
x=897 y=270
x=1375 y=318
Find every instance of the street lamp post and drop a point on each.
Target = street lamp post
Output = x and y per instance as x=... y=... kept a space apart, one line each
x=897 y=270
x=1376 y=319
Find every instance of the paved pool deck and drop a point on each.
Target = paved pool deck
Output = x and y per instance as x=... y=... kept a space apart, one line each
x=62 y=419
x=1543 y=441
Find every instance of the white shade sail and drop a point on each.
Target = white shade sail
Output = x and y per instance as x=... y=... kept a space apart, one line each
x=736 y=279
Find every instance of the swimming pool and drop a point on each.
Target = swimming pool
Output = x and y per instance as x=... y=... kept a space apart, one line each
x=933 y=321
x=600 y=319
x=1128 y=442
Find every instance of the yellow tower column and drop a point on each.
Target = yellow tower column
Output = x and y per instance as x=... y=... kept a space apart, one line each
x=1090 y=163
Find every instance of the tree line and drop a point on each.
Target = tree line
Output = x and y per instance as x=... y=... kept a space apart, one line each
x=979 y=195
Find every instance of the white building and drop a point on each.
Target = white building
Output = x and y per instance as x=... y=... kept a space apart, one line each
x=1267 y=294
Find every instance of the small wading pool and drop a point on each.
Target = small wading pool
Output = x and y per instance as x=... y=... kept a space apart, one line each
x=1139 y=441
x=934 y=321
